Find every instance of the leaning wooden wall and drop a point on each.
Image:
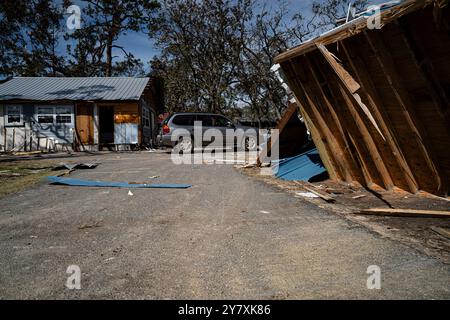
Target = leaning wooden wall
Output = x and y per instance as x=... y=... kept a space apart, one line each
x=378 y=103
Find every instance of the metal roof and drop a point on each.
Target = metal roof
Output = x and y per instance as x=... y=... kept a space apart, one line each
x=76 y=89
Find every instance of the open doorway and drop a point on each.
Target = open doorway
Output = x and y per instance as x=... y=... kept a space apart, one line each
x=106 y=124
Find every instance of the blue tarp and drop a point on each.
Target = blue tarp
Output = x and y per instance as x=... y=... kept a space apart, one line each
x=91 y=183
x=303 y=167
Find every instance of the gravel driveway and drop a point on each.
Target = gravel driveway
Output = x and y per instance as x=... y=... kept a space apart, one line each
x=228 y=236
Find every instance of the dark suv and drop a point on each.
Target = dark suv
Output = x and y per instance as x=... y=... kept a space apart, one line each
x=245 y=137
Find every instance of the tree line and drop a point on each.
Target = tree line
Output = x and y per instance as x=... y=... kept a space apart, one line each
x=215 y=55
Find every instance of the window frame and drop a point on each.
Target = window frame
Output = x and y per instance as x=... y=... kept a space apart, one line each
x=69 y=114
x=205 y=117
x=226 y=120
x=6 y=116
x=189 y=117
x=54 y=114
x=146 y=117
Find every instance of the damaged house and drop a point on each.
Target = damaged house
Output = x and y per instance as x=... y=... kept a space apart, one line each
x=83 y=114
x=376 y=100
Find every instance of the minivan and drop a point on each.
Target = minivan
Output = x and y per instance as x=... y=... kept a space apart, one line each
x=246 y=138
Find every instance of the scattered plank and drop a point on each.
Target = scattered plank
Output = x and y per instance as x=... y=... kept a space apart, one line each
x=321 y=194
x=311 y=188
x=441 y=231
x=306 y=195
x=405 y=213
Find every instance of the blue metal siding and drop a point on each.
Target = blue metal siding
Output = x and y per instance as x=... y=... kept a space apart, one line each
x=303 y=167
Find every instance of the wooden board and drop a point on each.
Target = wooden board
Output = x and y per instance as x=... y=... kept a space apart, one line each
x=345 y=77
x=126 y=118
x=292 y=108
x=406 y=213
x=85 y=123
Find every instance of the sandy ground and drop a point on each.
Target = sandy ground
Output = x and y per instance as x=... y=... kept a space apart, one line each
x=229 y=236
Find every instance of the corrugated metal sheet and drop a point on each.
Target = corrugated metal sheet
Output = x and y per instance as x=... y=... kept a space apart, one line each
x=303 y=167
x=75 y=89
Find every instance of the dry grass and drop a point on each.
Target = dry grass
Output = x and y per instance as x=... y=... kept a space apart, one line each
x=19 y=175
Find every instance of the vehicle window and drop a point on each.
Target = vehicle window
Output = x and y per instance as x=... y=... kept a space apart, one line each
x=183 y=120
x=205 y=119
x=220 y=121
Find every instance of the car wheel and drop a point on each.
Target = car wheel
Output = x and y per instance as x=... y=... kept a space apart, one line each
x=185 y=145
x=250 y=143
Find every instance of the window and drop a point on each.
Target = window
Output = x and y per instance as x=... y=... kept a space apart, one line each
x=63 y=115
x=220 y=121
x=183 y=120
x=205 y=119
x=14 y=115
x=54 y=114
x=45 y=114
x=146 y=117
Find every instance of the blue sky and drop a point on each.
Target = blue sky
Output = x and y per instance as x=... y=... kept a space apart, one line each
x=145 y=49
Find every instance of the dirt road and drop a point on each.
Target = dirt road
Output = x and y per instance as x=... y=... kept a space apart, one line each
x=228 y=236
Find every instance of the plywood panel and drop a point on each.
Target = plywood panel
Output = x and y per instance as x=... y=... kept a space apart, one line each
x=126 y=113
x=85 y=123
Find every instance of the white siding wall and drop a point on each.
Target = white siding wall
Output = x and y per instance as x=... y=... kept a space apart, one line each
x=29 y=137
x=2 y=130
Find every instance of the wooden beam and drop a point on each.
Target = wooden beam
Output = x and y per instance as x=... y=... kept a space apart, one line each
x=313 y=189
x=326 y=132
x=292 y=108
x=349 y=82
x=316 y=134
x=427 y=72
x=319 y=143
x=364 y=169
x=320 y=194
x=341 y=138
x=345 y=77
x=387 y=65
x=368 y=140
x=352 y=148
x=406 y=213
x=359 y=68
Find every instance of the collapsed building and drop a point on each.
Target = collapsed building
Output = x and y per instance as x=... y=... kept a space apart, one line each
x=376 y=100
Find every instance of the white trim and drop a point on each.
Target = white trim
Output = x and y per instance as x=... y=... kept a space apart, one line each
x=6 y=114
x=96 y=129
x=54 y=114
